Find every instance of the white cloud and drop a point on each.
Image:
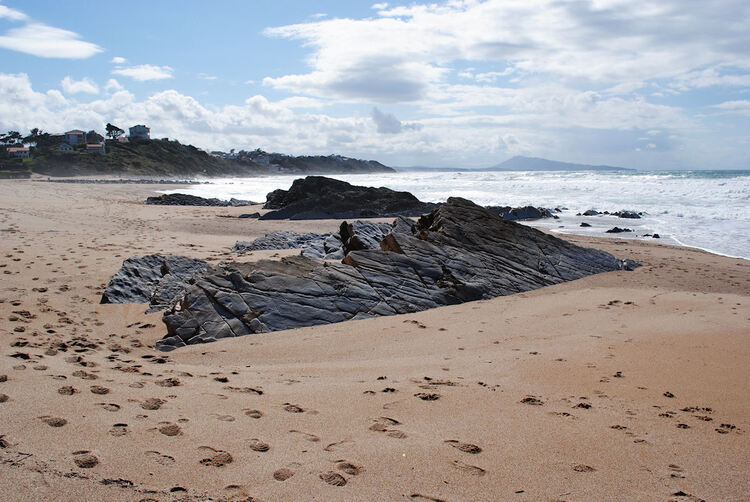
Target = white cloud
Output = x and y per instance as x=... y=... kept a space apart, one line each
x=301 y=102
x=70 y=86
x=739 y=107
x=553 y=122
x=113 y=86
x=48 y=42
x=118 y=60
x=12 y=14
x=206 y=76
x=386 y=123
x=145 y=72
x=402 y=54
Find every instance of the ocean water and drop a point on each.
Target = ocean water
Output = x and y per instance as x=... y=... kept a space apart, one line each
x=703 y=209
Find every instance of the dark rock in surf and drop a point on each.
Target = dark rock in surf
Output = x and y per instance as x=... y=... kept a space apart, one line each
x=318 y=197
x=618 y=230
x=521 y=213
x=633 y=215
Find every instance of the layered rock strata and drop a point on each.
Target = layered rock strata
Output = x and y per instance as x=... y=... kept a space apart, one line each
x=459 y=252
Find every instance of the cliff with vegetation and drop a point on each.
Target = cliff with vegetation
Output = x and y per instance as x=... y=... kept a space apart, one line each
x=142 y=158
x=167 y=158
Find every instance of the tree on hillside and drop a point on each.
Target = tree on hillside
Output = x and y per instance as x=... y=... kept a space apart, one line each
x=33 y=135
x=113 y=131
x=11 y=138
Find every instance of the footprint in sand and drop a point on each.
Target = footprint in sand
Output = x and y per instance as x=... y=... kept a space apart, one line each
x=152 y=403
x=237 y=493
x=676 y=471
x=468 y=469
x=98 y=389
x=84 y=459
x=583 y=468
x=4 y=398
x=464 y=447
x=293 y=408
x=384 y=424
x=333 y=478
x=216 y=458
x=427 y=396
x=258 y=445
x=253 y=413
x=307 y=436
x=53 y=421
x=169 y=382
x=160 y=458
x=348 y=467
x=283 y=474
x=419 y=496
x=118 y=430
x=67 y=390
x=224 y=418
x=726 y=428
x=109 y=406
x=170 y=429
x=85 y=375
x=532 y=400
x=333 y=446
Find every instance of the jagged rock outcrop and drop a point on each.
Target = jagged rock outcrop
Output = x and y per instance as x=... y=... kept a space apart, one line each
x=182 y=199
x=522 y=213
x=328 y=246
x=154 y=279
x=457 y=253
x=318 y=197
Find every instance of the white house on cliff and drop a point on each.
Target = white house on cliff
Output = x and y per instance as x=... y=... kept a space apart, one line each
x=140 y=132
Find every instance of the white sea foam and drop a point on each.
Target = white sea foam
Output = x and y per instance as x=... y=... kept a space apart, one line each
x=704 y=209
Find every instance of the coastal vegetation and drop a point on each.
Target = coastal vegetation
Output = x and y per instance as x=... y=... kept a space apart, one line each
x=90 y=153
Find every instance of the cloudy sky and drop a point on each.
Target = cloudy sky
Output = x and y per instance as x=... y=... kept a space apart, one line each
x=659 y=84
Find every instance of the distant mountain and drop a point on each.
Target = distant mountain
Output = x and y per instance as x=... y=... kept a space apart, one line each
x=519 y=163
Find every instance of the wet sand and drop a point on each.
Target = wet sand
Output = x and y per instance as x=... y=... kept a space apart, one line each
x=620 y=386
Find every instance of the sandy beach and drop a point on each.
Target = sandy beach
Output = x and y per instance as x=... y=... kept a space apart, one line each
x=619 y=386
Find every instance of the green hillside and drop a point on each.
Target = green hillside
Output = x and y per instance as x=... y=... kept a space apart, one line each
x=143 y=157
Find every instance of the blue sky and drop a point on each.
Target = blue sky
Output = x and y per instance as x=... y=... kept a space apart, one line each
x=646 y=84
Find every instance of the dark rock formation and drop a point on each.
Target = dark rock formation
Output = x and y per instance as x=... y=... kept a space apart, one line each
x=329 y=246
x=620 y=214
x=249 y=215
x=627 y=214
x=155 y=279
x=522 y=213
x=182 y=199
x=618 y=230
x=318 y=197
x=584 y=224
x=459 y=252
